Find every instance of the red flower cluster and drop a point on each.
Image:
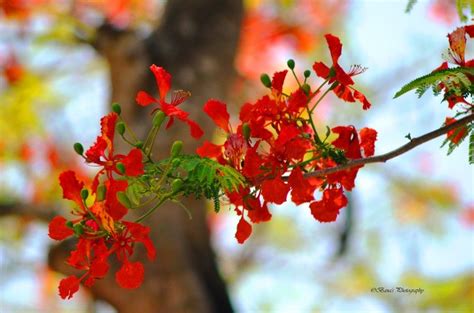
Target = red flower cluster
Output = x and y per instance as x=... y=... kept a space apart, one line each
x=456 y=55
x=273 y=147
x=275 y=144
x=99 y=225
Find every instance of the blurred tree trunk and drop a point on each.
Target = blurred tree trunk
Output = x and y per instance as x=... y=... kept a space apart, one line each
x=196 y=42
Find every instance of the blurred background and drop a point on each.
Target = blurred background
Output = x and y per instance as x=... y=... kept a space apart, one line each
x=410 y=222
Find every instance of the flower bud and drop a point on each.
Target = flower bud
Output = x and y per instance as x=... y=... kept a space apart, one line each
x=120 y=167
x=158 y=119
x=78 y=148
x=101 y=190
x=307 y=73
x=291 y=64
x=123 y=199
x=246 y=131
x=70 y=224
x=84 y=194
x=176 y=184
x=78 y=229
x=265 y=79
x=306 y=88
x=120 y=128
x=176 y=148
x=116 y=108
x=139 y=144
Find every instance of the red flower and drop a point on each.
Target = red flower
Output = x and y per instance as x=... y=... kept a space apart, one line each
x=234 y=148
x=163 y=83
x=344 y=82
x=96 y=154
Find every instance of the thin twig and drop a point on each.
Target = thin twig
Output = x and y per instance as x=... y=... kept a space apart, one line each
x=414 y=142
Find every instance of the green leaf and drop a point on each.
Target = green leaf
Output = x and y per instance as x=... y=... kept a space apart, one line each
x=410 y=5
x=450 y=77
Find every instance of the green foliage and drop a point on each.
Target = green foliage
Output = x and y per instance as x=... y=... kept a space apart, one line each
x=200 y=177
x=410 y=5
x=454 y=79
x=462 y=5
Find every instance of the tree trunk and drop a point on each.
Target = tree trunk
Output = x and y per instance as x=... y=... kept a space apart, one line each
x=196 y=42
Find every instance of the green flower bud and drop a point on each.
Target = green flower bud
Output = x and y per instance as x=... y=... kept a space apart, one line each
x=120 y=167
x=120 y=128
x=176 y=184
x=306 y=88
x=78 y=148
x=266 y=81
x=246 y=131
x=158 y=119
x=139 y=144
x=116 y=108
x=291 y=64
x=101 y=190
x=176 y=148
x=307 y=73
x=84 y=194
x=70 y=224
x=78 y=229
x=123 y=199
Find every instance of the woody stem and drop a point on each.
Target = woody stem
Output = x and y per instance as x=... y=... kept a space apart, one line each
x=414 y=142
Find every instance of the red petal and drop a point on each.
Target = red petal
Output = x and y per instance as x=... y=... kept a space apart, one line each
x=278 y=79
x=343 y=92
x=68 y=287
x=244 y=230
x=287 y=133
x=171 y=110
x=469 y=30
x=195 y=130
x=141 y=233
x=209 y=150
x=252 y=163
x=301 y=189
x=108 y=128
x=130 y=275
x=342 y=77
x=275 y=190
x=335 y=47
x=71 y=187
x=99 y=268
x=96 y=151
x=362 y=99
x=257 y=212
x=163 y=80
x=368 y=136
x=348 y=141
x=456 y=135
x=217 y=111
x=133 y=163
x=58 y=230
x=144 y=99
x=321 y=70
x=115 y=209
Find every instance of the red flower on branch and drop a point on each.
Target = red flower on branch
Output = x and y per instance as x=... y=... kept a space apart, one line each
x=163 y=83
x=102 y=153
x=342 y=81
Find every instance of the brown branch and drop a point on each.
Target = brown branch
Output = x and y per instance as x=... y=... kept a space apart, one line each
x=414 y=142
